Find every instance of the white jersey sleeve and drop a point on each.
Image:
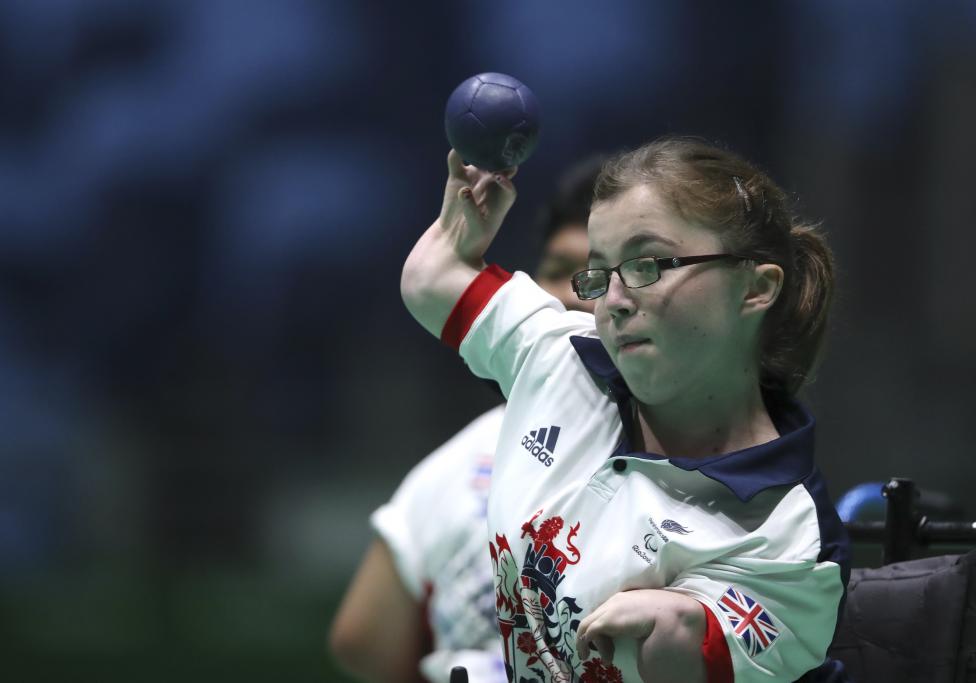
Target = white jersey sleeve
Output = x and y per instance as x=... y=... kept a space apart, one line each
x=777 y=605
x=520 y=325
x=416 y=523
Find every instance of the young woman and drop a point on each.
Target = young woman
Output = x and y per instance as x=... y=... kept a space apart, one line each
x=680 y=531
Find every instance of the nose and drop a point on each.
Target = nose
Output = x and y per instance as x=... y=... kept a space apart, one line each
x=618 y=301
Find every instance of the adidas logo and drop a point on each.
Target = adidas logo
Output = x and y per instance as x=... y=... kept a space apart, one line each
x=541 y=443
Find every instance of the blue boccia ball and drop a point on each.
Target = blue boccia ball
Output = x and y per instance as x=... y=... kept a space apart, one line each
x=492 y=120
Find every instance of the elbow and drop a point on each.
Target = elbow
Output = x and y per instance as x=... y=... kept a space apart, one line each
x=349 y=647
x=417 y=295
x=411 y=285
x=419 y=268
x=431 y=284
x=433 y=279
x=418 y=278
x=370 y=659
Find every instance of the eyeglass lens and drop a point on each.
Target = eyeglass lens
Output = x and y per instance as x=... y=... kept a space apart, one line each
x=637 y=272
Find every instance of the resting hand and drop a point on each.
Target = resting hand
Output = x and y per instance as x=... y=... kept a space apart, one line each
x=668 y=626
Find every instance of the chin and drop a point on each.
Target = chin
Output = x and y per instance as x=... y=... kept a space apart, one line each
x=644 y=391
x=643 y=382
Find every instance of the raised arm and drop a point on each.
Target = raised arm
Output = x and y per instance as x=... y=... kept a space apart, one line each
x=450 y=254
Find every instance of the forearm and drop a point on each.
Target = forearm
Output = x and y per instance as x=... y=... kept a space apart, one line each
x=377 y=632
x=451 y=253
x=674 y=654
x=435 y=276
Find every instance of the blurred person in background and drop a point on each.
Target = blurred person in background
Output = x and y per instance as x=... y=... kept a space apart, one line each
x=423 y=600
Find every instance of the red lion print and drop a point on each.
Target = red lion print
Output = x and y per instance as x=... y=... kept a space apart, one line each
x=546 y=534
x=538 y=624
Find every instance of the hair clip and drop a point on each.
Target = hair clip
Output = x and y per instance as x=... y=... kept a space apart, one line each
x=742 y=193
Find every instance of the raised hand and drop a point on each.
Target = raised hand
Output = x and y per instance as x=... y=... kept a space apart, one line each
x=475 y=204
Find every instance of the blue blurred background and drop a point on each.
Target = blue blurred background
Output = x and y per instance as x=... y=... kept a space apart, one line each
x=207 y=378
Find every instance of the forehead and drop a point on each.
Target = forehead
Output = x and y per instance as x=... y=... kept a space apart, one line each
x=640 y=211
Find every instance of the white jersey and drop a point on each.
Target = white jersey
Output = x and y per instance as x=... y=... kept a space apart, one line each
x=435 y=527
x=576 y=515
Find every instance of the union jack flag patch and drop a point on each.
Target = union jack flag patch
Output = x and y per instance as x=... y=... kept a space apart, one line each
x=750 y=621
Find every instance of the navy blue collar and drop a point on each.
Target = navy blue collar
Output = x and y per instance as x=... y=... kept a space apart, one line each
x=782 y=461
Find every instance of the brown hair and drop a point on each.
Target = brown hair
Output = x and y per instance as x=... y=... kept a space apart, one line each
x=713 y=187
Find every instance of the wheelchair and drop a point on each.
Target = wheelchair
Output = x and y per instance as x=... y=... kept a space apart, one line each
x=909 y=620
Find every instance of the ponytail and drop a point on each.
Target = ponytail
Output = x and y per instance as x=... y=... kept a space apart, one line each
x=794 y=329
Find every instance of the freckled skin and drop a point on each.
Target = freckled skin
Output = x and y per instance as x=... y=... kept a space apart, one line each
x=680 y=342
x=680 y=313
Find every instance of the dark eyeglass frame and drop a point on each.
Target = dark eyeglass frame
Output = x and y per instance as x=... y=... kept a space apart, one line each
x=662 y=263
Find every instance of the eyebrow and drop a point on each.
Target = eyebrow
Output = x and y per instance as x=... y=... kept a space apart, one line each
x=638 y=240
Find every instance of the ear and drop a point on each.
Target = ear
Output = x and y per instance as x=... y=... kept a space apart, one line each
x=763 y=287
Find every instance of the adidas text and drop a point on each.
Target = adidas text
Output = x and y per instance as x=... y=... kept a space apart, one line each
x=541 y=447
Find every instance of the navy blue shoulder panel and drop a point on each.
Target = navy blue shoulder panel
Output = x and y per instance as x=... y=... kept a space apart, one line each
x=834 y=543
x=597 y=361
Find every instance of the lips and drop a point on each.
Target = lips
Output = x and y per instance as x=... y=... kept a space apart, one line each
x=627 y=343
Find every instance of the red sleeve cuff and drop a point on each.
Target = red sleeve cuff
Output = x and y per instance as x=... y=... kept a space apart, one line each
x=715 y=651
x=471 y=303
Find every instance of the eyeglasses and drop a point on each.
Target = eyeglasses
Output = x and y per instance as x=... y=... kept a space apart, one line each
x=636 y=272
